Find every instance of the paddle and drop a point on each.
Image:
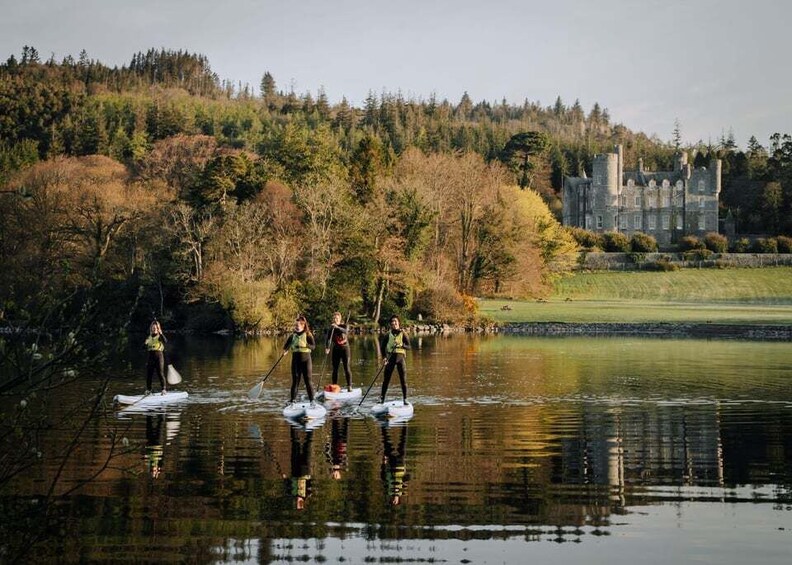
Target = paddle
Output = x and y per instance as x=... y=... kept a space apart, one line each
x=255 y=392
x=375 y=379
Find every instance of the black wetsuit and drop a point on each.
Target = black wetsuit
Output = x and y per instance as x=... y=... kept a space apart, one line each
x=301 y=362
x=336 y=341
x=155 y=361
x=396 y=359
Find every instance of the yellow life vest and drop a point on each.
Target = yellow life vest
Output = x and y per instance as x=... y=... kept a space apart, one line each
x=153 y=343
x=299 y=343
x=396 y=343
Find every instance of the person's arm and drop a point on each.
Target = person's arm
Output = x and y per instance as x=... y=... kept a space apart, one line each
x=342 y=329
x=288 y=343
x=405 y=340
x=310 y=341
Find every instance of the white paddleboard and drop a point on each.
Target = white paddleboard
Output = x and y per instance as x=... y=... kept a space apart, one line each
x=392 y=409
x=304 y=411
x=153 y=399
x=342 y=395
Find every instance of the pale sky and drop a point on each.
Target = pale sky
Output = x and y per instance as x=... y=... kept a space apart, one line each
x=713 y=64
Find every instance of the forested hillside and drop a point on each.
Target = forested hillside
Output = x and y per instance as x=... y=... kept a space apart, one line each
x=212 y=203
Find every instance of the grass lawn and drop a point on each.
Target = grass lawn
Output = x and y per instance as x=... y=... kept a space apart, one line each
x=727 y=296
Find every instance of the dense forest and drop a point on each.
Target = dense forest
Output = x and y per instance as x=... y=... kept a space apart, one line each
x=217 y=206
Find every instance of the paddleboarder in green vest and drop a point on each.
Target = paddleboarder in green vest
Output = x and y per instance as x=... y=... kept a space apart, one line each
x=155 y=345
x=300 y=343
x=336 y=341
x=394 y=346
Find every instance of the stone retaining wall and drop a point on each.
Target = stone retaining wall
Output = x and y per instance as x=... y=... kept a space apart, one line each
x=637 y=261
x=722 y=331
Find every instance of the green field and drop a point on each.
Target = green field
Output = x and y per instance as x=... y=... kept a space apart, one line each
x=729 y=296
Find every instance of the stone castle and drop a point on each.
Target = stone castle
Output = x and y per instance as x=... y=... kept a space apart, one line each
x=665 y=204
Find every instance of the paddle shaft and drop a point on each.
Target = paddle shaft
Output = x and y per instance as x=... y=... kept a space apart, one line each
x=375 y=379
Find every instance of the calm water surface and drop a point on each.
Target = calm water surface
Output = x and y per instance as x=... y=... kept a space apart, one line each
x=520 y=450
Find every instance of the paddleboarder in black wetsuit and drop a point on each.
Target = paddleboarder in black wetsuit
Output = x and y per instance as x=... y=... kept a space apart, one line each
x=336 y=341
x=299 y=484
x=393 y=470
x=394 y=346
x=300 y=343
x=155 y=344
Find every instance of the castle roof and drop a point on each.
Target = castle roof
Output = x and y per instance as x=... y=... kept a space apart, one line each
x=642 y=178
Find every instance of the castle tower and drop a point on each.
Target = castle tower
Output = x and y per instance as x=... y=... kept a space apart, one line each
x=605 y=186
x=680 y=161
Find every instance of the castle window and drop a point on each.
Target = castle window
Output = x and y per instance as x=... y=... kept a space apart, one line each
x=666 y=184
x=666 y=200
x=701 y=186
x=702 y=225
x=588 y=222
x=638 y=200
x=637 y=221
x=652 y=183
x=630 y=184
x=701 y=202
x=679 y=185
x=599 y=222
x=679 y=222
x=666 y=222
x=597 y=179
x=624 y=200
x=652 y=223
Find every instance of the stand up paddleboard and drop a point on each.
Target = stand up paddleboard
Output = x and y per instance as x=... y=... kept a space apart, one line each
x=150 y=400
x=392 y=409
x=342 y=395
x=304 y=411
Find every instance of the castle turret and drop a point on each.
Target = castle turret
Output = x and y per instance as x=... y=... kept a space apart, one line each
x=716 y=169
x=640 y=165
x=680 y=161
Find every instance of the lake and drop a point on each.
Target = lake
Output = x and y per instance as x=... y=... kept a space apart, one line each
x=548 y=450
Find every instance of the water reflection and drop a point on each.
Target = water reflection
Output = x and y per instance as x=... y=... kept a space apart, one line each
x=394 y=467
x=336 y=449
x=299 y=484
x=514 y=440
x=154 y=450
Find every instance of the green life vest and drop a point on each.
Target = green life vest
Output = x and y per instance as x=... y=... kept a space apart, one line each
x=396 y=343
x=153 y=343
x=299 y=343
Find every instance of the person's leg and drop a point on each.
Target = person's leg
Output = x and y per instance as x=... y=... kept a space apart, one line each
x=336 y=360
x=150 y=368
x=345 y=359
x=161 y=370
x=307 y=376
x=401 y=365
x=386 y=379
x=295 y=378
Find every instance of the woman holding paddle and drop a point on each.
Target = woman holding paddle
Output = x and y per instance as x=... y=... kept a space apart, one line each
x=300 y=343
x=336 y=341
x=394 y=346
x=155 y=345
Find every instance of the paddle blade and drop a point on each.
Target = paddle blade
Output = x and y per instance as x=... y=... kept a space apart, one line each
x=255 y=392
x=173 y=377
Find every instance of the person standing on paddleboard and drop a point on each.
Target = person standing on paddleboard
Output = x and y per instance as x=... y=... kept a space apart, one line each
x=336 y=341
x=394 y=346
x=155 y=344
x=300 y=343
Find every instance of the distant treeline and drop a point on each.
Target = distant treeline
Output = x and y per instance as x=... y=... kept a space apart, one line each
x=198 y=191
